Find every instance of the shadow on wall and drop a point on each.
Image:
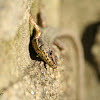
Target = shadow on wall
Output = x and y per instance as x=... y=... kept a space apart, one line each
x=88 y=40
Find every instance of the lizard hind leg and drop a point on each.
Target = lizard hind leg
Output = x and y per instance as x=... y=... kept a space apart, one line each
x=45 y=65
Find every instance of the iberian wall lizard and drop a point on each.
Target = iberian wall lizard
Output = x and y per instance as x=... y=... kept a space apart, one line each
x=41 y=48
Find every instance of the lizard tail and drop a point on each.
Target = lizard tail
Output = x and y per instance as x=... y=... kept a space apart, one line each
x=38 y=33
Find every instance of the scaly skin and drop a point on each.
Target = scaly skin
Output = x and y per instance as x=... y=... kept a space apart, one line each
x=42 y=48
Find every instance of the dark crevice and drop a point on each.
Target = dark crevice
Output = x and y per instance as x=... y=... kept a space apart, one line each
x=39 y=20
x=88 y=40
x=32 y=53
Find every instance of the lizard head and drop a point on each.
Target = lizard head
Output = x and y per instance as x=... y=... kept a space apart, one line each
x=52 y=59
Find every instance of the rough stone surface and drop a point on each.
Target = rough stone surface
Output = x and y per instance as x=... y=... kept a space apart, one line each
x=14 y=41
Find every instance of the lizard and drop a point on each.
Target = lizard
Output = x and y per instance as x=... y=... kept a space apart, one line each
x=41 y=47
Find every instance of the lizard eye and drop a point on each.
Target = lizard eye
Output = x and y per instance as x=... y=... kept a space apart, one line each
x=50 y=53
